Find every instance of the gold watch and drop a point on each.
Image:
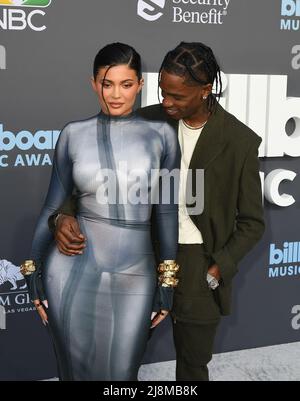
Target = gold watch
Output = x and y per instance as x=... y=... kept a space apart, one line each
x=28 y=267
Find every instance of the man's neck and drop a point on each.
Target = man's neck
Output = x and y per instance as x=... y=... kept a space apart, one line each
x=198 y=120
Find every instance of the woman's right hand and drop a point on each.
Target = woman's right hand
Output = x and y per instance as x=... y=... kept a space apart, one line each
x=40 y=307
x=68 y=237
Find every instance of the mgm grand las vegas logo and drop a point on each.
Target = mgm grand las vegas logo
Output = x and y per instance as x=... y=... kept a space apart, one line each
x=17 y=15
x=13 y=290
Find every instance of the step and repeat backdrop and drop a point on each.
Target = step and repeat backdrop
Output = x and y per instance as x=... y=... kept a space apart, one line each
x=46 y=54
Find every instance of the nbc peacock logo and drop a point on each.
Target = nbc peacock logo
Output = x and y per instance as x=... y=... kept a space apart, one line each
x=25 y=3
x=19 y=14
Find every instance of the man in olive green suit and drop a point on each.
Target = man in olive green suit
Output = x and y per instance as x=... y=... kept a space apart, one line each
x=212 y=241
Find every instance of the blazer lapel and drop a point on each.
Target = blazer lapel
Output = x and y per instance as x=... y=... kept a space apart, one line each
x=211 y=141
x=209 y=145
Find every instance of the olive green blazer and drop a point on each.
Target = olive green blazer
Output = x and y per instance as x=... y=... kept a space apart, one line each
x=232 y=220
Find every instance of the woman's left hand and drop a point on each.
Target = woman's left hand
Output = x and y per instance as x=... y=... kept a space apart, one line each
x=41 y=310
x=158 y=317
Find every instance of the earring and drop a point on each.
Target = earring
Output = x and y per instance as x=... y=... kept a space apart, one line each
x=204 y=97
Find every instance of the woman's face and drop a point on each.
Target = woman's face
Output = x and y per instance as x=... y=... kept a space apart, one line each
x=117 y=89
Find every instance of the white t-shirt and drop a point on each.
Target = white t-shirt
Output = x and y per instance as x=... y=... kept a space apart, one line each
x=188 y=137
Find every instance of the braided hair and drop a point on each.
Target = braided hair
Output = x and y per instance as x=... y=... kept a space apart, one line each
x=197 y=63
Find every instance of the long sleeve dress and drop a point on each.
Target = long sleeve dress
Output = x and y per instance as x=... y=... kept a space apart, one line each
x=100 y=302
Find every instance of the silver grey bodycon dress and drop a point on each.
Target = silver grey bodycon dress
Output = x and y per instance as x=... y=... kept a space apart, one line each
x=100 y=303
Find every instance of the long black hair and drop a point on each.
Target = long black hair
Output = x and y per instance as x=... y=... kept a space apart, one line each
x=198 y=64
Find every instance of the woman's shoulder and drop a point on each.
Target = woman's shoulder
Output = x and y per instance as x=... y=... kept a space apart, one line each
x=78 y=125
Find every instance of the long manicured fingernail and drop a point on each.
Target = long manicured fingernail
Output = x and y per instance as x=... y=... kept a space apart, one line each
x=45 y=303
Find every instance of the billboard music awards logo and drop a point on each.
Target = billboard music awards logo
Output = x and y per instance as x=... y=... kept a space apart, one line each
x=12 y=18
x=14 y=297
x=290 y=11
x=29 y=143
x=185 y=11
x=284 y=261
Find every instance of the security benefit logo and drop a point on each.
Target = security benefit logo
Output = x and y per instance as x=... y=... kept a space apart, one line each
x=184 y=11
x=13 y=290
x=284 y=261
x=290 y=13
x=150 y=10
x=15 y=18
x=25 y=148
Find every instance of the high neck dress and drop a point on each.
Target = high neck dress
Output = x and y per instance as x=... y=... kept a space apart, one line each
x=100 y=303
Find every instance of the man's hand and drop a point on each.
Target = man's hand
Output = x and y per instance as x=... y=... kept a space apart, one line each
x=215 y=271
x=68 y=237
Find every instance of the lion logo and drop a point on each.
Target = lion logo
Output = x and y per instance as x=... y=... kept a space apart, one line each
x=10 y=273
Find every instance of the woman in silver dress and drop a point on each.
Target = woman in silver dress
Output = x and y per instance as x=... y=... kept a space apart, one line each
x=99 y=303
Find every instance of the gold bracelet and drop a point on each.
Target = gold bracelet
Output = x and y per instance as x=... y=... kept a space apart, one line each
x=167 y=273
x=168 y=267
x=168 y=281
x=27 y=267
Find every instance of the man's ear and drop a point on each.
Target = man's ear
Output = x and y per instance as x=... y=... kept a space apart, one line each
x=206 y=90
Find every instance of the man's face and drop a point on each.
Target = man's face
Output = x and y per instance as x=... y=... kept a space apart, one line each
x=180 y=99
